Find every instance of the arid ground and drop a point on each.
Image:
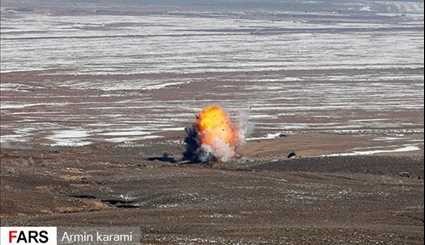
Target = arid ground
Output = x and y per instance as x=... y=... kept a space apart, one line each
x=94 y=100
x=252 y=200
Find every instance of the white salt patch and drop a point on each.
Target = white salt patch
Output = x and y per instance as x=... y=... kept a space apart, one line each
x=267 y=137
x=262 y=116
x=386 y=139
x=133 y=85
x=172 y=129
x=124 y=133
x=102 y=124
x=20 y=106
x=10 y=87
x=163 y=85
x=370 y=120
x=12 y=138
x=20 y=135
x=363 y=153
x=128 y=139
x=69 y=137
x=6 y=106
x=295 y=127
x=168 y=205
x=366 y=9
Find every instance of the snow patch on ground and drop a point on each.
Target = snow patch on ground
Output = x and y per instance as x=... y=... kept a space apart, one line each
x=407 y=148
x=69 y=137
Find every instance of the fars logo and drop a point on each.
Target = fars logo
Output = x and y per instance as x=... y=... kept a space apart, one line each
x=28 y=235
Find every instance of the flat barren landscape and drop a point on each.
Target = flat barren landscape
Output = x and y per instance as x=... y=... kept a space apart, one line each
x=326 y=200
x=94 y=103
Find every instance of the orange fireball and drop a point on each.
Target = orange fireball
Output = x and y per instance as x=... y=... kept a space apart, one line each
x=215 y=125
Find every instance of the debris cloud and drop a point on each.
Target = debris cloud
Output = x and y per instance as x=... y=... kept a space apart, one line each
x=213 y=137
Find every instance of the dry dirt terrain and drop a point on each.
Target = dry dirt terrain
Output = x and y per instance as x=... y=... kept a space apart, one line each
x=95 y=97
x=252 y=200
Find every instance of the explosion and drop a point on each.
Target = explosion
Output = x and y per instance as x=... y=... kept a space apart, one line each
x=213 y=136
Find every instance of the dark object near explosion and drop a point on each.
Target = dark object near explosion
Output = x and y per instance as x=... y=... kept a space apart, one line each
x=292 y=154
x=164 y=158
x=404 y=174
x=194 y=151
